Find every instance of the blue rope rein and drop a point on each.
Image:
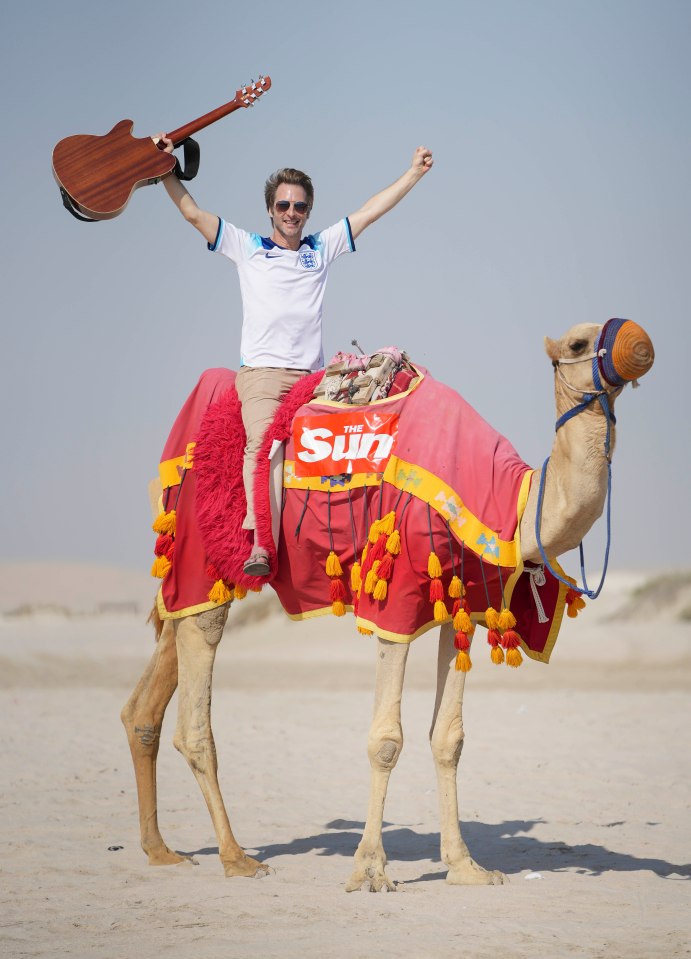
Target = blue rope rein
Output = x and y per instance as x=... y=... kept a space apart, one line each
x=603 y=398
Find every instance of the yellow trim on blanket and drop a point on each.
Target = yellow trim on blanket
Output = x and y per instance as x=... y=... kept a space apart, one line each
x=181 y=613
x=465 y=526
x=478 y=618
x=171 y=470
x=313 y=613
x=324 y=485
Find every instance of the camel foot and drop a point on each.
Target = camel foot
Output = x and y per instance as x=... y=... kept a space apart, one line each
x=373 y=878
x=468 y=873
x=245 y=866
x=166 y=857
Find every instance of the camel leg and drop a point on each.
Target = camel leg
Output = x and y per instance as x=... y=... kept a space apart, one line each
x=446 y=739
x=142 y=717
x=197 y=639
x=384 y=747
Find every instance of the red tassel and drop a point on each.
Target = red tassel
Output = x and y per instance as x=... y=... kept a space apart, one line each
x=385 y=567
x=461 y=641
x=510 y=639
x=163 y=544
x=436 y=591
x=379 y=548
x=493 y=637
x=337 y=591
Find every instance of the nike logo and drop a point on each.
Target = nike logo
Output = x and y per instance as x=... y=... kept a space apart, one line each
x=271 y=256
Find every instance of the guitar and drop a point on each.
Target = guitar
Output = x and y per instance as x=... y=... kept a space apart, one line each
x=97 y=175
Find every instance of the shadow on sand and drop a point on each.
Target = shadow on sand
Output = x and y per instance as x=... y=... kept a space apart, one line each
x=505 y=846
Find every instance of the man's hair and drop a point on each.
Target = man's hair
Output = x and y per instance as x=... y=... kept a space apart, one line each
x=292 y=177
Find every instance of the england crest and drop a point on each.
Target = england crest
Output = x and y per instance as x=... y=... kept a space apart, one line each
x=309 y=260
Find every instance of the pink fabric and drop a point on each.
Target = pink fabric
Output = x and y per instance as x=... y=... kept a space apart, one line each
x=438 y=430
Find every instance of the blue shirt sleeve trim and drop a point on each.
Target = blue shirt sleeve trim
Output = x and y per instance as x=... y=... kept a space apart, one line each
x=219 y=233
x=351 y=241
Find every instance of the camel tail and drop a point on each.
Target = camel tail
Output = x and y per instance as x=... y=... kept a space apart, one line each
x=156 y=621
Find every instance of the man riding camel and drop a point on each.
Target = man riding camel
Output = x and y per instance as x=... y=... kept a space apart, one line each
x=282 y=281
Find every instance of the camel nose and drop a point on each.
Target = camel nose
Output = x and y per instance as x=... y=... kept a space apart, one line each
x=632 y=353
x=628 y=351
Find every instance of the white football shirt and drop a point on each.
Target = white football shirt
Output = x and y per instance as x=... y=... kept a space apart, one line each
x=282 y=293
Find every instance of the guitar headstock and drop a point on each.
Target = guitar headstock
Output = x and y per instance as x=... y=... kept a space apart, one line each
x=248 y=95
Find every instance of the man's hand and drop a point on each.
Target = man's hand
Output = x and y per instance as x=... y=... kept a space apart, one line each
x=382 y=202
x=168 y=142
x=422 y=161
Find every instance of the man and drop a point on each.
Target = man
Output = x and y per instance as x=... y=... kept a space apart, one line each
x=282 y=282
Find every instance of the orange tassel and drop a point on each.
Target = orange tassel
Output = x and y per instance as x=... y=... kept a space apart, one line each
x=333 y=565
x=380 y=590
x=364 y=631
x=165 y=523
x=220 y=592
x=463 y=663
x=338 y=608
x=393 y=543
x=434 y=568
x=514 y=657
x=387 y=523
x=370 y=582
x=463 y=622
x=456 y=588
x=492 y=618
x=355 y=577
x=160 y=567
x=440 y=611
x=506 y=619
x=497 y=655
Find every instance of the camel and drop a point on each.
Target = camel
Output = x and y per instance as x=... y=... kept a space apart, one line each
x=590 y=370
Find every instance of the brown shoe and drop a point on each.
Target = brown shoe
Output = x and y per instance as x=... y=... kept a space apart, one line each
x=258 y=563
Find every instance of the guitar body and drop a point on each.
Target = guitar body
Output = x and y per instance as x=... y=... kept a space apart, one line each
x=100 y=174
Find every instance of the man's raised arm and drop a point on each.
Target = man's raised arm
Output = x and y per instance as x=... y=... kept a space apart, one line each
x=206 y=223
x=382 y=202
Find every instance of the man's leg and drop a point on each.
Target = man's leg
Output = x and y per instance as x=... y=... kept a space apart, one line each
x=260 y=390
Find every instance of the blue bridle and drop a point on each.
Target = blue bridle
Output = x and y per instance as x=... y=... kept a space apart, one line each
x=601 y=363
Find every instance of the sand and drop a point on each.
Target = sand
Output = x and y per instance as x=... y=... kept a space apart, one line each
x=574 y=781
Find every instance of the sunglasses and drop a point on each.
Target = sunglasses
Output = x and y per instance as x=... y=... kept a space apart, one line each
x=298 y=205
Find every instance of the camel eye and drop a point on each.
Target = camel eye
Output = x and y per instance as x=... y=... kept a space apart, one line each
x=578 y=346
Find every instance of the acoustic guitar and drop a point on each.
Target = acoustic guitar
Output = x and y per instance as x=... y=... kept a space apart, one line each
x=97 y=175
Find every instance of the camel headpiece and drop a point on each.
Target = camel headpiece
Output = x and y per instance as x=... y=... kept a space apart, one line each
x=623 y=352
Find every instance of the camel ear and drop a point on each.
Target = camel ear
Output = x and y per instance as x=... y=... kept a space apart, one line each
x=552 y=349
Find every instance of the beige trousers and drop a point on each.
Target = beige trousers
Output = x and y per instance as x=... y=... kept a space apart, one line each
x=260 y=390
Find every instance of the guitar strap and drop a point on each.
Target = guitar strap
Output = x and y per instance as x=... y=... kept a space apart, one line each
x=191 y=156
x=68 y=203
x=191 y=153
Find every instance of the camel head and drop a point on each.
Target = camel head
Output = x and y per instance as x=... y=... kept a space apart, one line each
x=623 y=350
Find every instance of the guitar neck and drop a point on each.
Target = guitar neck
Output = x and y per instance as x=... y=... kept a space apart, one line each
x=245 y=97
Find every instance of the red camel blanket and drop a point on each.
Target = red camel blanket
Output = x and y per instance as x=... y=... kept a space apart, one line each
x=425 y=534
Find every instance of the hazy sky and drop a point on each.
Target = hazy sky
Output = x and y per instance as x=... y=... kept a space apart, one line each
x=561 y=193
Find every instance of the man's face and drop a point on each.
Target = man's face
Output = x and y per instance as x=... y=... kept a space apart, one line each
x=288 y=223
